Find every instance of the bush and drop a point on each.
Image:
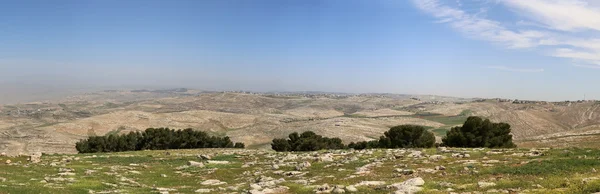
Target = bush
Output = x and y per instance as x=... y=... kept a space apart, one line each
x=477 y=132
x=154 y=139
x=403 y=136
x=307 y=141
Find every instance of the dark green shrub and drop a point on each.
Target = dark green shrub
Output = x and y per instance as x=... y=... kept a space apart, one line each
x=477 y=132
x=403 y=136
x=154 y=139
x=307 y=141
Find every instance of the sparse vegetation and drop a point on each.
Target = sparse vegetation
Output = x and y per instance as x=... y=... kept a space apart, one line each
x=154 y=139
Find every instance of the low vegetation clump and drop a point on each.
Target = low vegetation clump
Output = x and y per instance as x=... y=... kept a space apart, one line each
x=307 y=141
x=154 y=139
x=403 y=136
x=476 y=132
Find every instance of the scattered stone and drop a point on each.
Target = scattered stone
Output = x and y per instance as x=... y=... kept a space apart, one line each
x=195 y=164
x=303 y=166
x=66 y=174
x=326 y=158
x=437 y=157
x=35 y=157
x=415 y=154
x=339 y=190
x=7 y=162
x=217 y=162
x=491 y=161
x=204 y=157
x=163 y=175
x=461 y=155
x=255 y=187
x=89 y=172
x=163 y=190
x=446 y=184
x=203 y=191
x=323 y=189
x=351 y=189
x=370 y=183
x=213 y=182
x=292 y=173
x=404 y=171
x=275 y=167
x=482 y=184
x=110 y=184
x=409 y=186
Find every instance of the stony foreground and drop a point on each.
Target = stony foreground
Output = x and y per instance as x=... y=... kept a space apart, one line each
x=342 y=171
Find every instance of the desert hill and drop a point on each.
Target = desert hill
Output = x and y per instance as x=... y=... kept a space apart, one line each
x=256 y=118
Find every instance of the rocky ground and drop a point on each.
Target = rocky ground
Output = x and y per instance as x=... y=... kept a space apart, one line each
x=438 y=170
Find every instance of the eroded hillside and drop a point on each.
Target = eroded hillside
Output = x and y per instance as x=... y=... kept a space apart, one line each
x=255 y=119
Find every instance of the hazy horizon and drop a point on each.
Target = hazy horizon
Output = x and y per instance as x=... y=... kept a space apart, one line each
x=531 y=50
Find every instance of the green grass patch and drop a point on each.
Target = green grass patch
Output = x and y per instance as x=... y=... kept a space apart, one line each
x=548 y=167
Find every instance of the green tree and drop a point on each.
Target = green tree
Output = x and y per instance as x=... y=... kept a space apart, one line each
x=281 y=145
x=402 y=136
x=477 y=132
x=307 y=141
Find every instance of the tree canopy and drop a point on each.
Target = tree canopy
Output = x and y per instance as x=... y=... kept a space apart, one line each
x=477 y=132
x=154 y=139
x=307 y=141
x=402 y=136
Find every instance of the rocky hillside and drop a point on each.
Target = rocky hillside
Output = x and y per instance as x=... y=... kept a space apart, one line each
x=337 y=171
x=255 y=119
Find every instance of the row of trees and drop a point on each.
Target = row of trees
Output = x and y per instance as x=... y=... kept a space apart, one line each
x=475 y=132
x=154 y=139
x=403 y=136
x=307 y=141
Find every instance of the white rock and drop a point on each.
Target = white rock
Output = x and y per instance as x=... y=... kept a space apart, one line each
x=351 y=189
x=203 y=191
x=370 y=183
x=217 y=162
x=437 y=157
x=213 y=182
x=255 y=186
x=409 y=186
x=338 y=190
x=482 y=184
x=35 y=157
x=195 y=164
x=204 y=157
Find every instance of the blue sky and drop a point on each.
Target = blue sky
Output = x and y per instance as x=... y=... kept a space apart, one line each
x=535 y=49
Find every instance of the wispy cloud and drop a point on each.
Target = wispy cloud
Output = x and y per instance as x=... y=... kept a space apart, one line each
x=504 y=68
x=560 y=28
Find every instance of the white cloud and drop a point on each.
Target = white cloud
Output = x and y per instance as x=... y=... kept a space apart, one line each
x=475 y=26
x=504 y=68
x=561 y=28
x=564 y=15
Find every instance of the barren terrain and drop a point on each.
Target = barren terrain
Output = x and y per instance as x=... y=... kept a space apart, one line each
x=255 y=119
